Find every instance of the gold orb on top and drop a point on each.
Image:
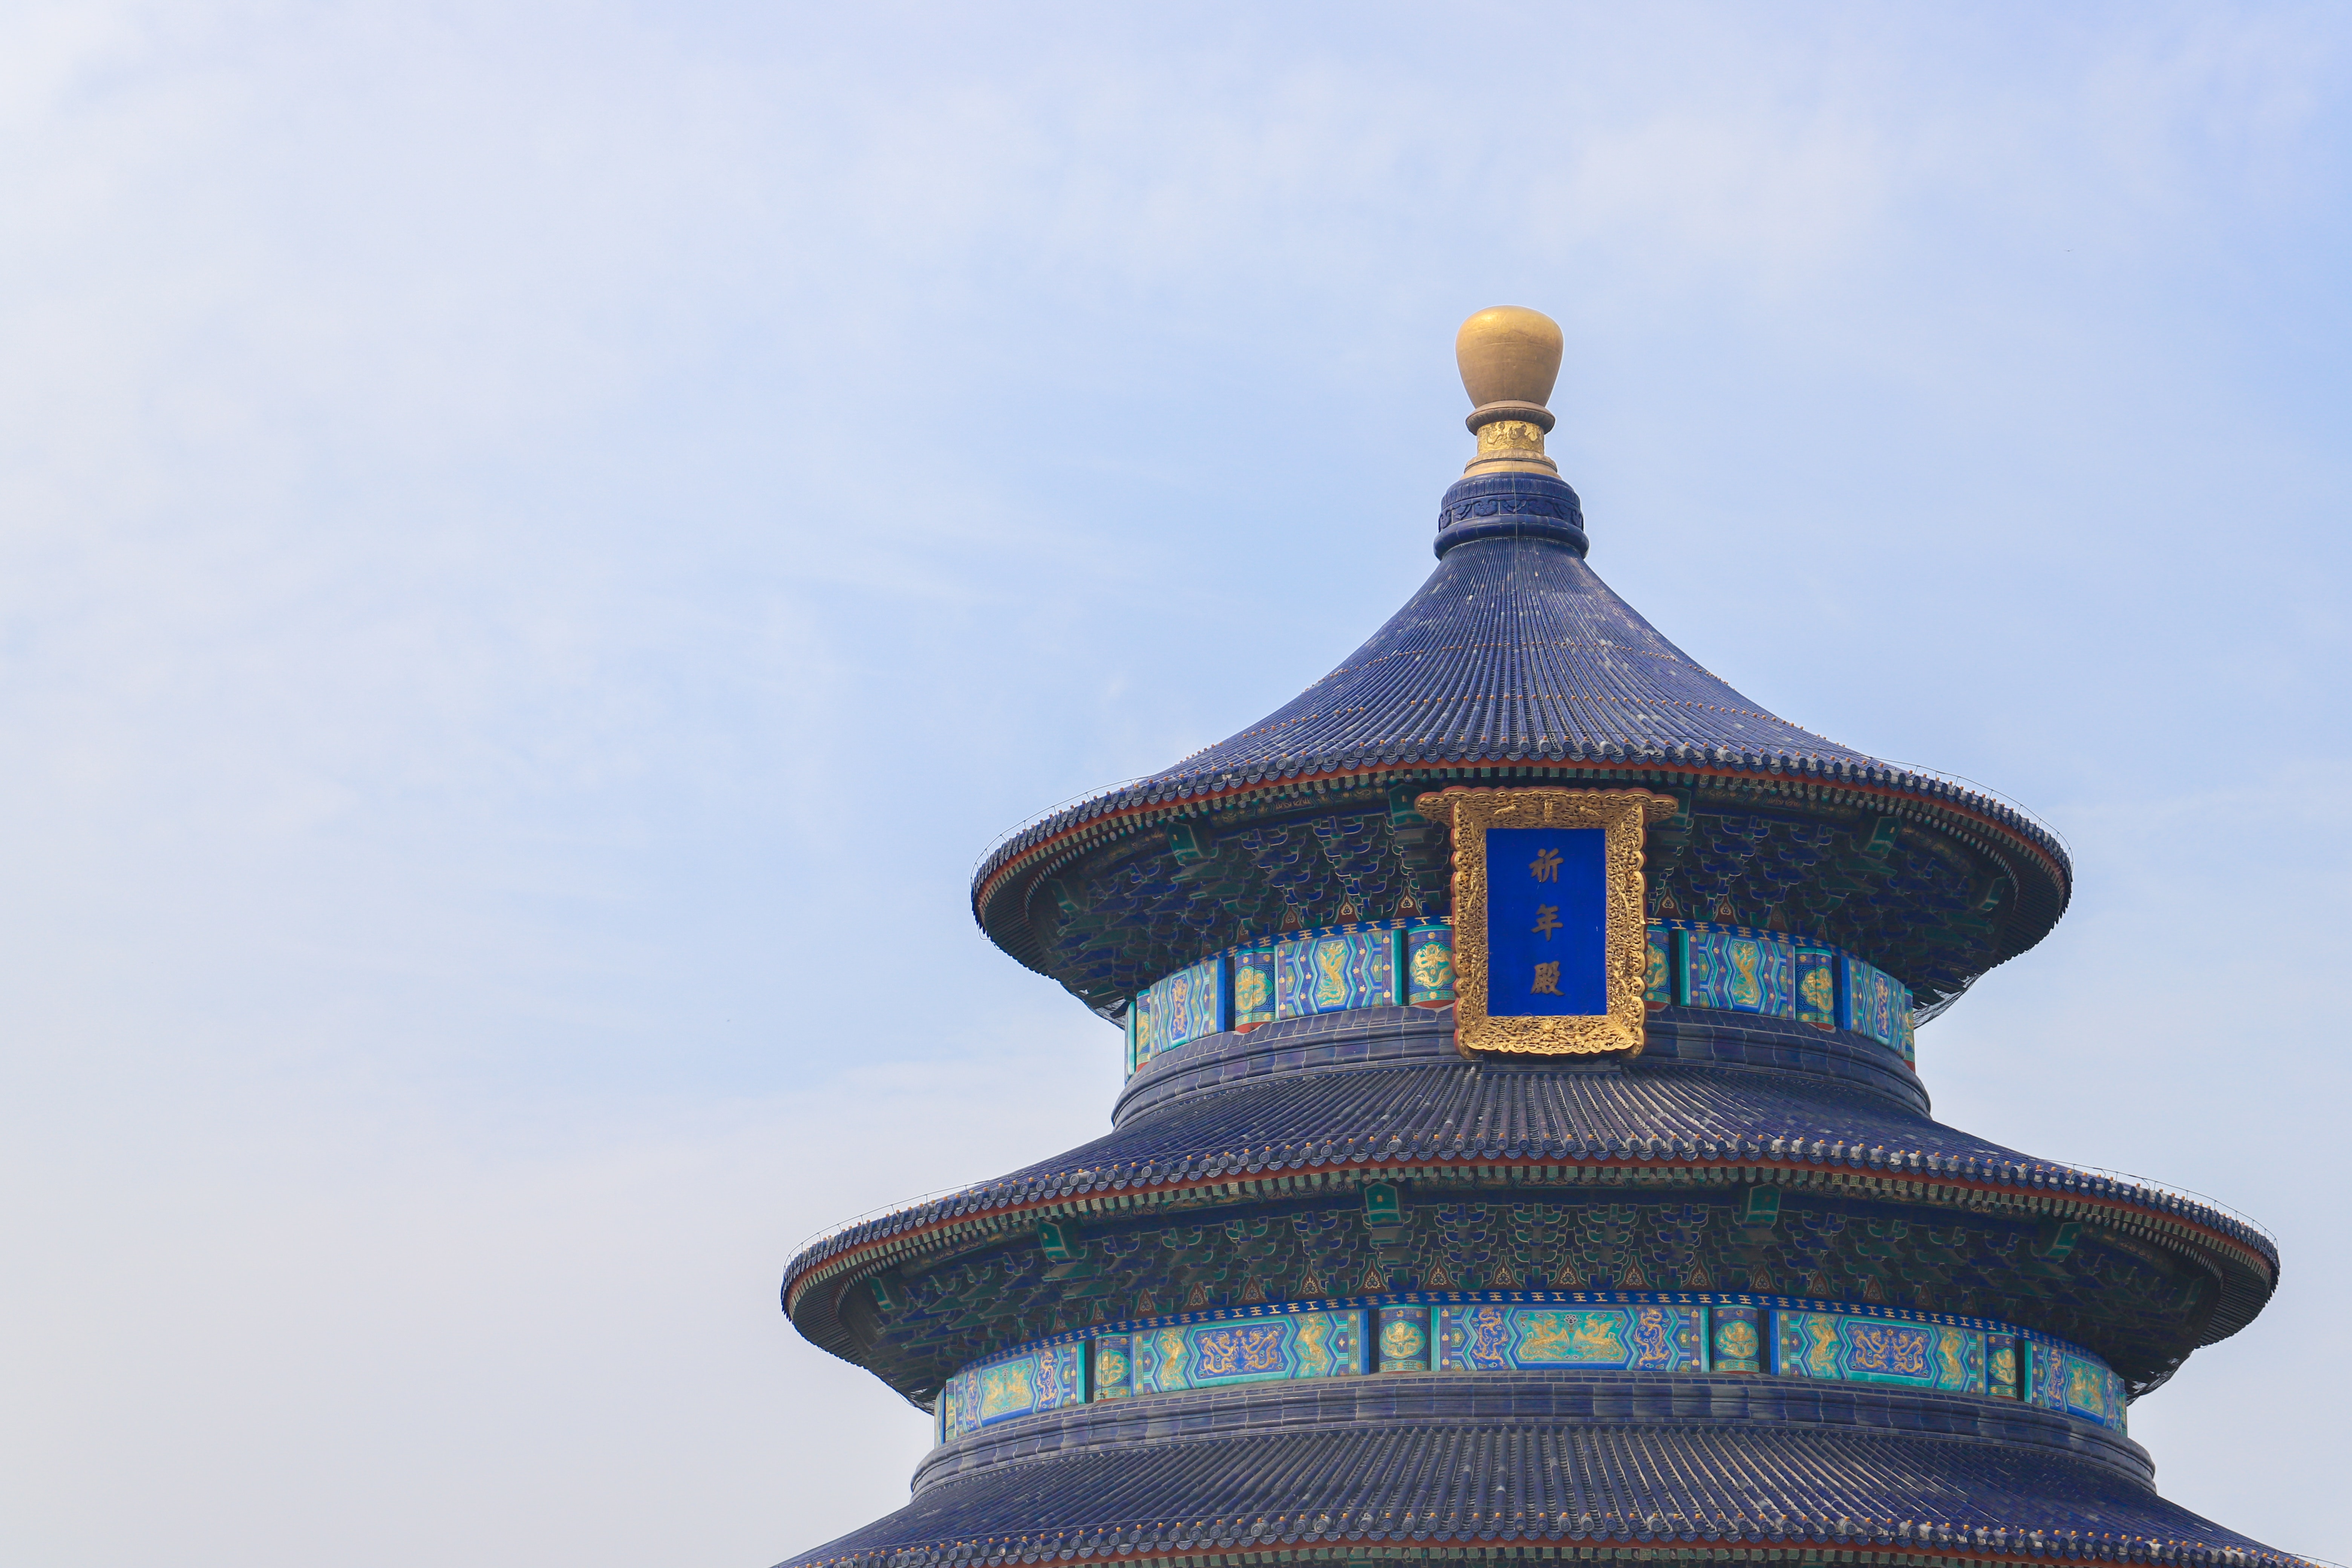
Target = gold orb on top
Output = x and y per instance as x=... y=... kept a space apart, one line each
x=1509 y=354
x=1509 y=357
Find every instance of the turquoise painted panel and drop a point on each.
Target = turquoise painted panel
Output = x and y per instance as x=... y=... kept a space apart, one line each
x=1658 y=966
x=2045 y=1376
x=1334 y=974
x=2005 y=1366
x=1188 y=1005
x=2075 y=1385
x=1817 y=985
x=1850 y=1348
x=1743 y=971
x=1429 y=963
x=1113 y=1376
x=1497 y=1337
x=1404 y=1338
x=1252 y=986
x=1735 y=1339
x=1874 y=1002
x=1044 y=1379
x=2093 y=1391
x=1250 y=1350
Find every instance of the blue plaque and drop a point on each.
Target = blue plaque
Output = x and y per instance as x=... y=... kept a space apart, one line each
x=1546 y=922
x=1550 y=955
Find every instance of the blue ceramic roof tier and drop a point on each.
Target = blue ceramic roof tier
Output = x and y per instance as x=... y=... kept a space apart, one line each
x=1550 y=1470
x=1706 y=1108
x=1514 y=662
x=1331 y=1288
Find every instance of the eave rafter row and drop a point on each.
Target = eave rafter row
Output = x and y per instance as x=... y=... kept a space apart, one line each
x=1244 y=1180
x=1071 y=906
x=1060 y=845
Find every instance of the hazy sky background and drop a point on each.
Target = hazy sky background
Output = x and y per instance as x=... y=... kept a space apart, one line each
x=538 y=542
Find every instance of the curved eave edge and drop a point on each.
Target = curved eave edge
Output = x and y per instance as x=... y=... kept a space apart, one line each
x=1815 y=1541
x=999 y=1210
x=1047 y=845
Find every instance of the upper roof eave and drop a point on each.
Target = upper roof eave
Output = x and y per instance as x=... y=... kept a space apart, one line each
x=1022 y=846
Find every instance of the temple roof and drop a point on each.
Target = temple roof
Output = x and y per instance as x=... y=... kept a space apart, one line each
x=1246 y=1169
x=1444 y=1112
x=1553 y=1466
x=1514 y=662
x=1510 y=655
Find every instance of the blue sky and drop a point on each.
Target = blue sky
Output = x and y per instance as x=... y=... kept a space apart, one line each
x=537 y=544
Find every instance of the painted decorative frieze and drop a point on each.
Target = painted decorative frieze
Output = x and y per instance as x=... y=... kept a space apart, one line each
x=1742 y=972
x=2075 y=1384
x=1112 y=1374
x=1404 y=1338
x=1253 y=1349
x=1188 y=1005
x=1496 y=1337
x=1429 y=963
x=1817 y=985
x=1336 y=974
x=1661 y=965
x=1873 y=1003
x=1686 y=963
x=2004 y=1366
x=1253 y=987
x=1045 y=1378
x=1536 y=1331
x=1849 y=1348
x=1735 y=1339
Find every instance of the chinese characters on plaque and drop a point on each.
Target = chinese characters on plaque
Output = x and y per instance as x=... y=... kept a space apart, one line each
x=1548 y=947
x=1547 y=919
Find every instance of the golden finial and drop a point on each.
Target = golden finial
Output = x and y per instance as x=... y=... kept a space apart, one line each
x=1509 y=357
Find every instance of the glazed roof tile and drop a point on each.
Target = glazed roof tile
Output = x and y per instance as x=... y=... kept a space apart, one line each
x=1515 y=655
x=1514 y=651
x=1490 y=1485
x=1459 y=1113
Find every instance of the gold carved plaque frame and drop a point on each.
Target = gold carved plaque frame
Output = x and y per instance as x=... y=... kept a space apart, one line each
x=1623 y=816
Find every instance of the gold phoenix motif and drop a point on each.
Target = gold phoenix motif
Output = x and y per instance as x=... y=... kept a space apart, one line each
x=1623 y=816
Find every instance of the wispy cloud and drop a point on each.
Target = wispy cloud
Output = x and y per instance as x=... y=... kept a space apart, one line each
x=536 y=543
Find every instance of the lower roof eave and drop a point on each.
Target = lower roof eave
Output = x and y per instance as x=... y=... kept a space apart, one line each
x=1556 y=1546
x=1549 y=1493
x=816 y=1265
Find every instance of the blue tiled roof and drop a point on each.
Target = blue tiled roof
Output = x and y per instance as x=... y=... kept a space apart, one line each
x=1462 y=1112
x=1515 y=653
x=1515 y=649
x=1376 y=1037
x=1487 y=1110
x=1459 y=1113
x=1549 y=1465
x=1435 y=1109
